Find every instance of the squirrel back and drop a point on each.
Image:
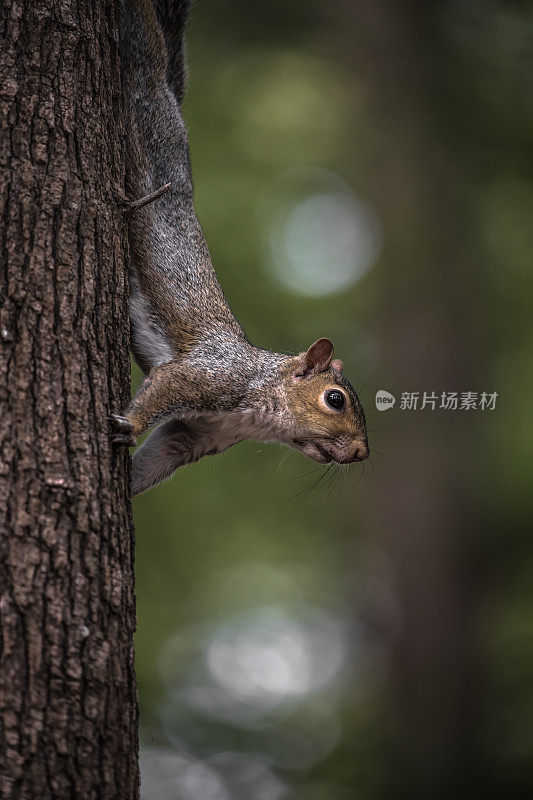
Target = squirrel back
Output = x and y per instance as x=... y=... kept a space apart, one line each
x=176 y=297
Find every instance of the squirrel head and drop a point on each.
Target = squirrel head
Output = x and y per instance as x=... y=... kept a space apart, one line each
x=327 y=420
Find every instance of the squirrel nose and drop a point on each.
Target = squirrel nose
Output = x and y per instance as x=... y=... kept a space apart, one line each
x=360 y=453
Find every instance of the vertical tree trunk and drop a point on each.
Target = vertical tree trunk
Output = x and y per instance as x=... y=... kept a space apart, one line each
x=68 y=708
x=428 y=330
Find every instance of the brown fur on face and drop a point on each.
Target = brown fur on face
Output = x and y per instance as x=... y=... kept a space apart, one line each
x=321 y=432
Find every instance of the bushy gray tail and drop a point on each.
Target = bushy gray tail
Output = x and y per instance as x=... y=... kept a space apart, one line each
x=158 y=139
x=172 y=16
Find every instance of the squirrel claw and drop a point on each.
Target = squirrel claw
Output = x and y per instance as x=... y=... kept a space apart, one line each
x=121 y=423
x=123 y=433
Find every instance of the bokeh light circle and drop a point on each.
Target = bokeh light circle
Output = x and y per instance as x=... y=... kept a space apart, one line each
x=322 y=239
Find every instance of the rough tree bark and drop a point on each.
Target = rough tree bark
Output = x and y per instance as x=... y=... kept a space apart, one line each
x=68 y=708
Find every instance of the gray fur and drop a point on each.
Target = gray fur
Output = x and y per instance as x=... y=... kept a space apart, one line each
x=207 y=387
x=148 y=339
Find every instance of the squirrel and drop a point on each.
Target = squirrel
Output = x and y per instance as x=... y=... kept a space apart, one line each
x=206 y=386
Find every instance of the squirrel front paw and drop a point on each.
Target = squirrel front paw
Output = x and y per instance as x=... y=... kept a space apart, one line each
x=122 y=431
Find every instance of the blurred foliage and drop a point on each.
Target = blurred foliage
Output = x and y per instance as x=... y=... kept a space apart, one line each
x=415 y=569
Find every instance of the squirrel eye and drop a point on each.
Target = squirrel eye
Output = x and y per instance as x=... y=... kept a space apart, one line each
x=335 y=399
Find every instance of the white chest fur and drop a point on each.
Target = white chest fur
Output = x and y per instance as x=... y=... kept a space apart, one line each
x=225 y=430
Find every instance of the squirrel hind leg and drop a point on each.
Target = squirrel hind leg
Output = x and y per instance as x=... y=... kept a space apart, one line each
x=168 y=447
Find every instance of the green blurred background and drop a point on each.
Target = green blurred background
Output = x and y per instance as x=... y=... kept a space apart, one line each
x=363 y=171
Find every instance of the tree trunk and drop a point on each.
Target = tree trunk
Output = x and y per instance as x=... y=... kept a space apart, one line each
x=429 y=335
x=68 y=707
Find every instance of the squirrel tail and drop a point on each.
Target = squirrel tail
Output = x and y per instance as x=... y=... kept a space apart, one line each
x=143 y=45
x=155 y=39
x=158 y=139
x=172 y=16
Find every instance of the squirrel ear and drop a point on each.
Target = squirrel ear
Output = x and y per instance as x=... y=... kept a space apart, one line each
x=337 y=364
x=316 y=359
